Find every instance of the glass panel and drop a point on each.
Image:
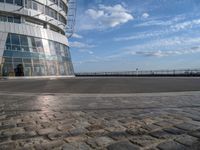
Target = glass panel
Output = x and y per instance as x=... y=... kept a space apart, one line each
x=9 y=1
x=8 y=69
x=10 y=19
x=15 y=39
x=24 y=40
x=18 y=2
x=27 y=61
x=33 y=45
x=28 y=3
x=1 y=0
x=28 y=71
x=39 y=45
x=3 y=18
x=8 y=41
x=35 y=6
x=17 y=19
x=52 y=48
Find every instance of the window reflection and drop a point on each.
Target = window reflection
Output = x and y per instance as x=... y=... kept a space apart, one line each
x=30 y=56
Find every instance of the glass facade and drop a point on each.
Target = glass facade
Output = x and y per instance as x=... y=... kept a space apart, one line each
x=10 y=18
x=31 y=56
x=31 y=4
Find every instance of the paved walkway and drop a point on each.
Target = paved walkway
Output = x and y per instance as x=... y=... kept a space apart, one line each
x=164 y=121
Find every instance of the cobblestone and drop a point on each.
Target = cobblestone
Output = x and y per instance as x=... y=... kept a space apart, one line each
x=102 y=122
x=171 y=145
x=187 y=140
x=124 y=145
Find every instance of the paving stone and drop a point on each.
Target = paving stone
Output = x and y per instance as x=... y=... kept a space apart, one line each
x=195 y=146
x=78 y=131
x=13 y=131
x=124 y=145
x=68 y=146
x=4 y=138
x=92 y=143
x=71 y=139
x=137 y=131
x=31 y=142
x=75 y=146
x=24 y=135
x=195 y=133
x=119 y=135
x=171 y=145
x=174 y=131
x=6 y=127
x=24 y=124
x=46 y=131
x=96 y=133
x=152 y=127
x=49 y=145
x=164 y=124
x=187 y=126
x=103 y=141
x=187 y=140
x=161 y=134
x=144 y=140
x=8 y=146
x=58 y=135
x=95 y=127
x=65 y=127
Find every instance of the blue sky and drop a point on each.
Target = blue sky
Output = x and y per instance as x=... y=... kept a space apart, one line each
x=122 y=35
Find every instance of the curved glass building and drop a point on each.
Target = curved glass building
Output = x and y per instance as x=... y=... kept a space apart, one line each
x=32 y=38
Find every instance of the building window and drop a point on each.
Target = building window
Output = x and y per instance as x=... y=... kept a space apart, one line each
x=15 y=42
x=9 y=1
x=12 y=19
x=39 y=45
x=24 y=43
x=50 y=12
x=3 y=18
x=18 y=2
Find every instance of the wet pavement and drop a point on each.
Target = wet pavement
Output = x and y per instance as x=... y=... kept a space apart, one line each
x=82 y=121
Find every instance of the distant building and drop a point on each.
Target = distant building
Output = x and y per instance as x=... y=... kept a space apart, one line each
x=32 y=38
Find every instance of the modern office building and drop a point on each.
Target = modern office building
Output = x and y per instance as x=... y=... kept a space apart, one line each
x=32 y=38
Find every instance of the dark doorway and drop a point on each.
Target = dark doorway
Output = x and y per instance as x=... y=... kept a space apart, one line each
x=19 y=71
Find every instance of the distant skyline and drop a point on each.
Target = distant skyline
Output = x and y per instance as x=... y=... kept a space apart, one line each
x=122 y=35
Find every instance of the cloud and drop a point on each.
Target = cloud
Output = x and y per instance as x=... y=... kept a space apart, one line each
x=77 y=36
x=166 y=43
x=160 y=53
x=141 y=35
x=105 y=17
x=186 y=25
x=163 y=47
x=161 y=21
x=80 y=45
x=145 y=15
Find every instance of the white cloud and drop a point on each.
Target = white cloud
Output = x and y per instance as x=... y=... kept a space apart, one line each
x=165 y=43
x=163 y=47
x=77 y=36
x=161 y=21
x=141 y=35
x=160 y=53
x=145 y=15
x=80 y=45
x=105 y=17
x=186 y=25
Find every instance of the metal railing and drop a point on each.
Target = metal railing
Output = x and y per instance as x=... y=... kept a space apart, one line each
x=181 y=72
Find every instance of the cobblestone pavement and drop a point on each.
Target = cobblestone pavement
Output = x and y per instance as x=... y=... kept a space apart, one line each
x=159 y=121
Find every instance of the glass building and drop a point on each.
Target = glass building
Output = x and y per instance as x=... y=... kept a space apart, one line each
x=32 y=38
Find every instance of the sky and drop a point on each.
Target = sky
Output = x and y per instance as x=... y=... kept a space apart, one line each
x=123 y=35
